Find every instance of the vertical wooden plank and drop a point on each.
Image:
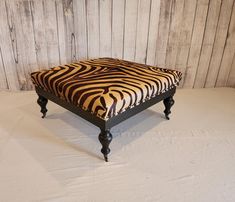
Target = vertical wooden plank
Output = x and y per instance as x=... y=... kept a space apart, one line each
x=208 y=42
x=80 y=27
x=118 y=20
x=36 y=8
x=69 y=31
x=19 y=48
x=61 y=35
x=105 y=22
x=153 y=31
x=228 y=55
x=3 y=76
x=93 y=28
x=185 y=36
x=196 y=43
x=51 y=32
x=164 y=22
x=131 y=13
x=219 y=44
x=174 y=32
x=9 y=45
x=142 y=31
x=28 y=42
x=28 y=33
x=231 y=77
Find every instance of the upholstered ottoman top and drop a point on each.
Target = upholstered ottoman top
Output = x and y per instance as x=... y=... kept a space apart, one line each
x=105 y=86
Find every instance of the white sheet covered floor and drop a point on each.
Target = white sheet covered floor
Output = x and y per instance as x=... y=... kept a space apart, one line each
x=190 y=158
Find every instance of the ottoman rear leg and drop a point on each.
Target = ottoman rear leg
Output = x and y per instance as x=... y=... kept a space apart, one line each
x=105 y=137
x=168 y=102
x=42 y=101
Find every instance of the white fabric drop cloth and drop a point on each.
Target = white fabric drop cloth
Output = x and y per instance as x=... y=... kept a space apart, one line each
x=190 y=158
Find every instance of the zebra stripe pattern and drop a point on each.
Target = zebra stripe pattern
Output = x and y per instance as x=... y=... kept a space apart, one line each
x=106 y=86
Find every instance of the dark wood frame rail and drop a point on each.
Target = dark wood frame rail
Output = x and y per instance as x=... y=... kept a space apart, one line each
x=105 y=137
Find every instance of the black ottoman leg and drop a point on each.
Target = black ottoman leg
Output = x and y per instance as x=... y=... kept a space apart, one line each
x=105 y=137
x=168 y=102
x=42 y=101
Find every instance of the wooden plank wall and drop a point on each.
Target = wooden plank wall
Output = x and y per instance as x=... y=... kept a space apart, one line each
x=196 y=37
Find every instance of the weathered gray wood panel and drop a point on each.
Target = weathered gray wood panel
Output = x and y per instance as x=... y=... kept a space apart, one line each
x=196 y=37
x=208 y=42
x=163 y=32
x=118 y=25
x=131 y=13
x=196 y=42
x=142 y=31
x=153 y=31
x=174 y=33
x=219 y=44
x=228 y=55
x=231 y=77
x=105 y=22
x=8 y=47
x=93 y=28
x=80 y=26
x=186 y=33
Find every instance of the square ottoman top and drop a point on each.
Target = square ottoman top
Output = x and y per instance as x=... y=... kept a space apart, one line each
x=106 y=87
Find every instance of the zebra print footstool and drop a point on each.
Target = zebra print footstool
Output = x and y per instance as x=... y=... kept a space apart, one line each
x=106 y=91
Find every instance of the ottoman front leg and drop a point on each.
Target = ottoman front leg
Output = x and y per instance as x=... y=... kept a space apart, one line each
x=105 y=137
x=42 y=101
x=168 y=102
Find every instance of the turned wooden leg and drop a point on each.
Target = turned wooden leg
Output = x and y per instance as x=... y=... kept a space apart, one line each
x=105 y=137
x=168 y=102
x=42 y=101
